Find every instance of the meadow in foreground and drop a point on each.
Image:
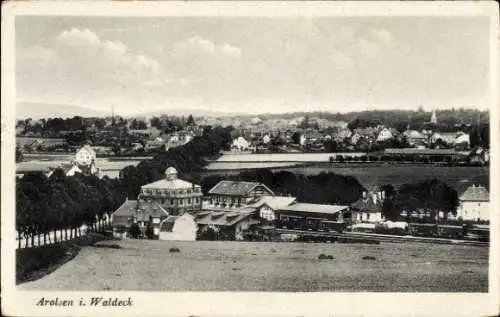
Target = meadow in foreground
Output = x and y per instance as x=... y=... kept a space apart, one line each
x=246 y=266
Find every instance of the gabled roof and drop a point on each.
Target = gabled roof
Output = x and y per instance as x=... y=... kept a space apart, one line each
x=152 y=209
x=314 y=208
x=414 y=134
x=367 y=205
x=274 y=202
x=126 y=209
x=141 y=210
x=226 y=219
x=475 y=193
x=236 y=188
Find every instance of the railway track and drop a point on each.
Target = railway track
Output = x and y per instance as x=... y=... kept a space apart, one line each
x=379 y=237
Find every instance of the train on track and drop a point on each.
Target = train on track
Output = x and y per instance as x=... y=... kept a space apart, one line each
x=465 y=232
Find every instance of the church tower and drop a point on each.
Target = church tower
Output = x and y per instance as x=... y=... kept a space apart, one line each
x=433 y=117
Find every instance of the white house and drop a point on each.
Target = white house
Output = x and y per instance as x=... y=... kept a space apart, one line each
x=73 y=170
x=240 y=144
x=474 y=204
x=178 y=228
x=266 y=139
x=384 y=135
x=302 y=140
x=267 y=205
x=368 y=208
x=85 y=156
x=462 y=141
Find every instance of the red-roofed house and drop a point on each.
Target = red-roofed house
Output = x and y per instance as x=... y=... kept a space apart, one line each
x=474 y=204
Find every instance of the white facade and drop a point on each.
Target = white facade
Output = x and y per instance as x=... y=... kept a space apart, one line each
x=183 y=229
x=364 y=216
x=73 y=170
x=303 y=140
x=267 y=213
x=266 y=139
x=384 y=135
x=474 y=210
x=240 y=144
x=85 y=156
x=474 y=204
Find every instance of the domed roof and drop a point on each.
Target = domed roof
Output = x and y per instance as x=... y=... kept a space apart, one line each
x=171 y=173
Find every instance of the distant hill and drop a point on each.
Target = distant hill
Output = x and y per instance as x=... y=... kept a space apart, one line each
x=38 y=110
x=187 y=112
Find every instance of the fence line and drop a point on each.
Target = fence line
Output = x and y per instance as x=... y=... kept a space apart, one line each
x=58 y=236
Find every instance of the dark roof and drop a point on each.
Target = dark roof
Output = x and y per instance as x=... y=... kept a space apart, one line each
x=235 y=188
x=367 y=205
x=141 y=210
x=168 y=224
x=126 y=209
x=225 y=219
x=314 y=208
x=475 y=193
x=152 y=209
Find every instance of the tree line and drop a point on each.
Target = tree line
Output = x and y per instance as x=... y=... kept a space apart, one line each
x=188 y=158
x=60 y=203
x=429 y=196
x=323 y=188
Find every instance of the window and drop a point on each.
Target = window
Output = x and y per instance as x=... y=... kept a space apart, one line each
x=180 y=201
x=189 y=201
x=171 y=201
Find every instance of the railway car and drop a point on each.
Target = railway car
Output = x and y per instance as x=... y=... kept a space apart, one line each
x=331 y=226
x=477 y=233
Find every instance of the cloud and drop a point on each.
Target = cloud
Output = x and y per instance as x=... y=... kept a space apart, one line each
x=95 y=52
x=197 y=45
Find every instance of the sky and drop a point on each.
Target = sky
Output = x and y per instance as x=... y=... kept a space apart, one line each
x=253 y=64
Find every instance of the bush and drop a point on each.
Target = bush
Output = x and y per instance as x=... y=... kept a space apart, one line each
x=174 y=249
x=109 y=246
x=369 y=257
x=134 y=231
x=323 y=256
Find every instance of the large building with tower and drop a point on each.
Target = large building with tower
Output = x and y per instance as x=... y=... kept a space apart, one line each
x=163 y=208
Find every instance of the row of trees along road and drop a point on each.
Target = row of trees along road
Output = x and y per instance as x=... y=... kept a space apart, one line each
x=64 y=204
x=60 y=203
x=430 y=196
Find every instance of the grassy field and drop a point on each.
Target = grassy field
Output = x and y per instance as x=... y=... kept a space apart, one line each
x=247 y=266
x=398 y=174
x=375 y=174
